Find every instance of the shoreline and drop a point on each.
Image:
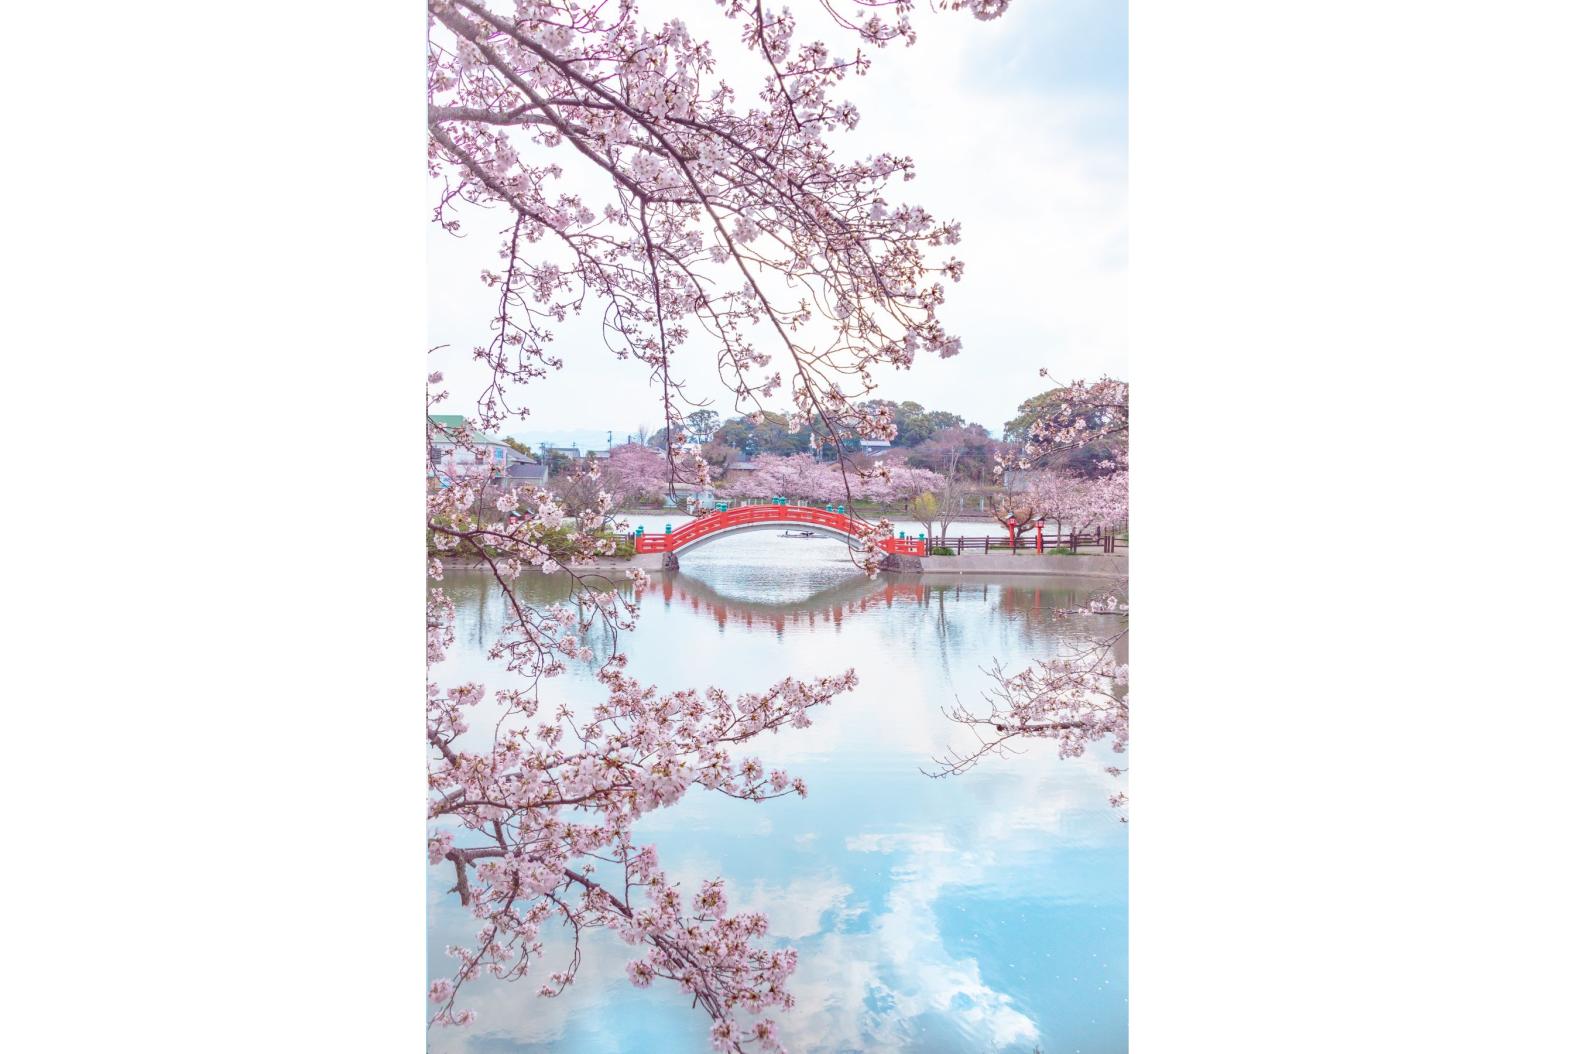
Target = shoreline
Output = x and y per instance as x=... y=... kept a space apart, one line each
x=1082 y=565
x=1079 y=565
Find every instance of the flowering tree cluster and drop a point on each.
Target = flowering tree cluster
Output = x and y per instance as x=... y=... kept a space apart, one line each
x=529 y=815
x=699 y=201
x=1068 y=500
x=1082 y=698
x=583 y=487
x=630 y=179
x=1084 y=415
x=631 y=471
x=534 y=818
x=899 y=483
x=801 y=476
x=1074 y=700
x=635 y=470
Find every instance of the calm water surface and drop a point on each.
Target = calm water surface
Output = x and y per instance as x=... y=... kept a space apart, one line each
x=985 y=912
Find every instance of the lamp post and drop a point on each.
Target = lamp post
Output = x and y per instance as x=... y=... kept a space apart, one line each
x=1039 y=535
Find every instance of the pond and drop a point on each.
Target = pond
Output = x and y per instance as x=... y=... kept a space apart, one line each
x=982 y=912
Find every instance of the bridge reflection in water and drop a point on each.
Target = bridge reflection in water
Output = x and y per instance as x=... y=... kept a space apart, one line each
x=831 y=605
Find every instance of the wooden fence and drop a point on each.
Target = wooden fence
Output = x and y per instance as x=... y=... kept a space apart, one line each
x=1091 y=541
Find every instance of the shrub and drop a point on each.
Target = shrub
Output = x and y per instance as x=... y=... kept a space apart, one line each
x=942 y=550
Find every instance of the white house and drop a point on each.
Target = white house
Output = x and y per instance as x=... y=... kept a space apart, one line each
x=445 y=446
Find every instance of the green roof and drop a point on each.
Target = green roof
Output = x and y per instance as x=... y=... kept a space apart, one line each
x=456 y=422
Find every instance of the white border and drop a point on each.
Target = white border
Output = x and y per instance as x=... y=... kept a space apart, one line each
x=1353 y=283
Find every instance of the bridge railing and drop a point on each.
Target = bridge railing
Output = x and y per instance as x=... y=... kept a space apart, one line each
x=791 y=515
x=958 y=545
x=742 y=516
x=1075 y=541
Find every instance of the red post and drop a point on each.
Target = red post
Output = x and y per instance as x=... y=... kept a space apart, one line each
x=1039 y=535
x=1013 y=539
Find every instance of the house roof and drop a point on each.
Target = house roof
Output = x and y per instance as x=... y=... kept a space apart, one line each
x=451 y=424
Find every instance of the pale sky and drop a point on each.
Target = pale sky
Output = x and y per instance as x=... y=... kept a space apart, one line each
x=1018 y=130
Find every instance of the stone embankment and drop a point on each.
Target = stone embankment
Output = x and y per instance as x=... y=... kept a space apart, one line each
x=1091 y=565
x=1094 y=565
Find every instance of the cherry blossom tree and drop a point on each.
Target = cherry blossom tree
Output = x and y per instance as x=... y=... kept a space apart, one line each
x=583 y=487
x=1055 y=497
x=699 y=201
x=877 y=486
x=1079 y=502
x=1084 y=415
x=527 y=815
x=1108 y=500
x=803 y=477
x=632 y=183
x=638 y=470
x=749 y=484
x=1076 y=700
x=799 y=477
x=887 y=483
x=909 y=481
x=1080 y=698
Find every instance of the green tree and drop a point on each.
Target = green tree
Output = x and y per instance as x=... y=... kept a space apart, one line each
x=556 y=461
x=914 y=424
x=1029 y=411
x=702 y=424
x=771 y=436
x=925 y=508
x=918 y=425
x=1089 y=459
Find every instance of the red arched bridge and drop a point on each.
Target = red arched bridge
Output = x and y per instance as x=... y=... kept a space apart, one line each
x=720 y=524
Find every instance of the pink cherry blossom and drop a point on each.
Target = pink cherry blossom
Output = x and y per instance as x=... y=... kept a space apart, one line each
x=716 y=216
x=1082 y=698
